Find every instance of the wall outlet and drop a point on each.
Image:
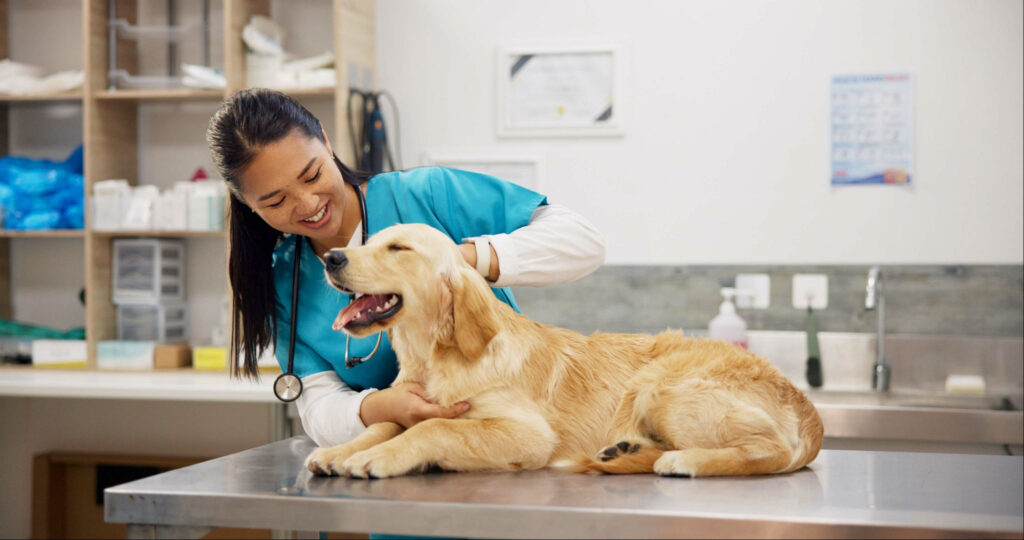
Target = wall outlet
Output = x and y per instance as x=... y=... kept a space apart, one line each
x=810 y=289
x=758 y=285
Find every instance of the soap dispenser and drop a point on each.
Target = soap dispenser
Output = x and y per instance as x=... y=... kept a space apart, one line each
x=727 y=325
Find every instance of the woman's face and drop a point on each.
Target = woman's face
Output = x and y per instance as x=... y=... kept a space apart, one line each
x=294 y=185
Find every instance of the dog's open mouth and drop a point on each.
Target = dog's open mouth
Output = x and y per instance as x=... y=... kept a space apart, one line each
x=368 y=309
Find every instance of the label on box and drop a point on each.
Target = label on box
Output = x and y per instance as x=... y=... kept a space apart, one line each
x=59 y=352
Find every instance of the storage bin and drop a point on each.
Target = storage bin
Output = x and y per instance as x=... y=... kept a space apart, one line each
x=163 y=323
x=150 y=270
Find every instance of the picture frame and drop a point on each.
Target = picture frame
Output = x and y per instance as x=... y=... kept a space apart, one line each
x=522 y=169
x=564 y=90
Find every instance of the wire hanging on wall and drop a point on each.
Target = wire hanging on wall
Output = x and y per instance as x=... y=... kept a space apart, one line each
x=370 y=146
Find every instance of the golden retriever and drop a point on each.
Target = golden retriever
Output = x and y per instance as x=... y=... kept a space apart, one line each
x=547 y=396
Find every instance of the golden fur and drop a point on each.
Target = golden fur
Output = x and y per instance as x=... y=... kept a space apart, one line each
x=543 y=396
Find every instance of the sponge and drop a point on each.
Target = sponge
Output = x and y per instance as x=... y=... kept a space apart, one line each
x=965 y=384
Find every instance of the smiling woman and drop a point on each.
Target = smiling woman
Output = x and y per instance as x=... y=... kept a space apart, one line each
x=286 y=182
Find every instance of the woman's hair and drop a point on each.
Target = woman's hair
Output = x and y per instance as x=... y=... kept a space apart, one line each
x=244 y=124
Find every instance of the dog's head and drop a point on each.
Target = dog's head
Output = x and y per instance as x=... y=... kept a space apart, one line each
x=413 y=274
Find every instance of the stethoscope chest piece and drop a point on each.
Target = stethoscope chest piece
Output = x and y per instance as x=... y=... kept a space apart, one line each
x=287 y=387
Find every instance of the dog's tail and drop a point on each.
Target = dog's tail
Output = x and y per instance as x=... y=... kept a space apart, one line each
x=631 y=459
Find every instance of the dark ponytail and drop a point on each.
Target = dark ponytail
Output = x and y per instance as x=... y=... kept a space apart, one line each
x=245 y=123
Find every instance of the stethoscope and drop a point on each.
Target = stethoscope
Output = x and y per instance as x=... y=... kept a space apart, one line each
x=288 y=385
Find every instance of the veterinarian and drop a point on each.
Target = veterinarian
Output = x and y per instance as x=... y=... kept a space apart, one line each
x=291 y=193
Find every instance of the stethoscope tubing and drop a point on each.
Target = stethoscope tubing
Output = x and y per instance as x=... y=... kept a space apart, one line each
x=286 y=383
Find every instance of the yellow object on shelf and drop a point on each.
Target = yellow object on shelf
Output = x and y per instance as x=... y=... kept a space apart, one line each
x=210 y=358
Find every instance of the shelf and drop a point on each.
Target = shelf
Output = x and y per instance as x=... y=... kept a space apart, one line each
x=161 y=234
x=325 y=93
x=169 y=94
x=55 y=233
x=42 y=98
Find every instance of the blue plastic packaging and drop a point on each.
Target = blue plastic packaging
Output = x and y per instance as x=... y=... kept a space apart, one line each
x=39 y=194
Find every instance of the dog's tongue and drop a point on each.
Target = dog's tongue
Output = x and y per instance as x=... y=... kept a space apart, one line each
x=359 y=309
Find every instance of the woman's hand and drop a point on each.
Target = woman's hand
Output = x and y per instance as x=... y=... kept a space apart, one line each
x=405 y=404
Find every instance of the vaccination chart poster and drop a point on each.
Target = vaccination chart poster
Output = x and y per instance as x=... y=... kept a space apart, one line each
x=872 y=129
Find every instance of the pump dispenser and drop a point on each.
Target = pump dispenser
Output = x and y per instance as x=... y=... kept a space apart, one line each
x=727 y=325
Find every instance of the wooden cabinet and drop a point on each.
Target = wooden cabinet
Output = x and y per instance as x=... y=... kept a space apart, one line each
x=110 y=119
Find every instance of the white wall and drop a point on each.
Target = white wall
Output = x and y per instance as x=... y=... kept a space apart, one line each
x=725 y=159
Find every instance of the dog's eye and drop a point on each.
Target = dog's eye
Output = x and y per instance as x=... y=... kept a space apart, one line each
x=397 y=247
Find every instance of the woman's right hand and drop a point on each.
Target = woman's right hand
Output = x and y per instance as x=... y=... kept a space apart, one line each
x=405 y=404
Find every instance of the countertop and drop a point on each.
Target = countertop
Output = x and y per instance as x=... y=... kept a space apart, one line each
x=173 y=385
x=853 y=494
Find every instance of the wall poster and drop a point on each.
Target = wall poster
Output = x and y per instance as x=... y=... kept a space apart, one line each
x=872 y=129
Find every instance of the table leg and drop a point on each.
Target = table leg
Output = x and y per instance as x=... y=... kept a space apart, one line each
x=280 y=422
x=153 y=532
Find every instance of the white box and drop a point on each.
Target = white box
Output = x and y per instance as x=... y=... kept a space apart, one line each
x=148 y=270
x=163 y=323
x=59 y=352
x=124 y=355
x=171 y=211
x=110 y=200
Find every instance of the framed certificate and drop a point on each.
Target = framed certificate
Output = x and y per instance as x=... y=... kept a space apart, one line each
x=560 y=91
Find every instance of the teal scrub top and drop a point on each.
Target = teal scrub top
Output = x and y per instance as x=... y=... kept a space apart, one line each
x=459 y=203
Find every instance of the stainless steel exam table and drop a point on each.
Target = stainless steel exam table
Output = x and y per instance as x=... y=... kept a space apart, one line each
x=851 y=494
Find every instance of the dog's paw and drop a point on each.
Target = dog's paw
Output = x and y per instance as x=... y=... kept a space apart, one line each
x=328 y=461
x=609 y=453
x=380 y=462
x=675 y=463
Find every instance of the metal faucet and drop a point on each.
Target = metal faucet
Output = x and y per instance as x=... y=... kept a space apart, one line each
x=875 y=299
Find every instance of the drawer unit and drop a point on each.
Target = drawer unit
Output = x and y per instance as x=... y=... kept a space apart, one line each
x=162 y=323
x=148 y=270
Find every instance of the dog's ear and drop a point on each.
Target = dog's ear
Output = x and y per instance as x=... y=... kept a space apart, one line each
x=474 y=323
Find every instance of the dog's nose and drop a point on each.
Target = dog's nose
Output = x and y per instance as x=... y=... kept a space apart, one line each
x=335 y=260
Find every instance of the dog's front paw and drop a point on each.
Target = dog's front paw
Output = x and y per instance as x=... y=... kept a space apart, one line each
x=380 y=462
x=328 y=461
x=622 y=448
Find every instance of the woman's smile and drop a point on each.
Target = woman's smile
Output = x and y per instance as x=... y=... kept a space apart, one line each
x=319 y=219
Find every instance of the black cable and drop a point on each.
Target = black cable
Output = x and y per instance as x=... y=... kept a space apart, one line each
x=398 y=126
x=356 y=141
x=361 y=145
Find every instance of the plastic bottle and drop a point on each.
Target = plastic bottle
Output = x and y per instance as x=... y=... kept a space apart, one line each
x=727 y=325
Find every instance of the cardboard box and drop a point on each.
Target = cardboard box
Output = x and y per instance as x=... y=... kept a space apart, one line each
x=172 y=356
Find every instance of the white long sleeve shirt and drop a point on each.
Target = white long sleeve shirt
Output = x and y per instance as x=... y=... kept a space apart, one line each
x=557 y=246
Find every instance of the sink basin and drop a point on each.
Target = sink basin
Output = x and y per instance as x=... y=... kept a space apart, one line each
x=920 y=420
x=910 y=398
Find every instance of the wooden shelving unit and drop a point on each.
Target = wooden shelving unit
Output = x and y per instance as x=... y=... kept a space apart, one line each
x=111 y=126
x=56 y=233
x=30 y=98
x=175 y=94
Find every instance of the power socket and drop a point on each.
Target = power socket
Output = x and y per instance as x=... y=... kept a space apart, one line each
x=758 y=286
x=810 y=289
